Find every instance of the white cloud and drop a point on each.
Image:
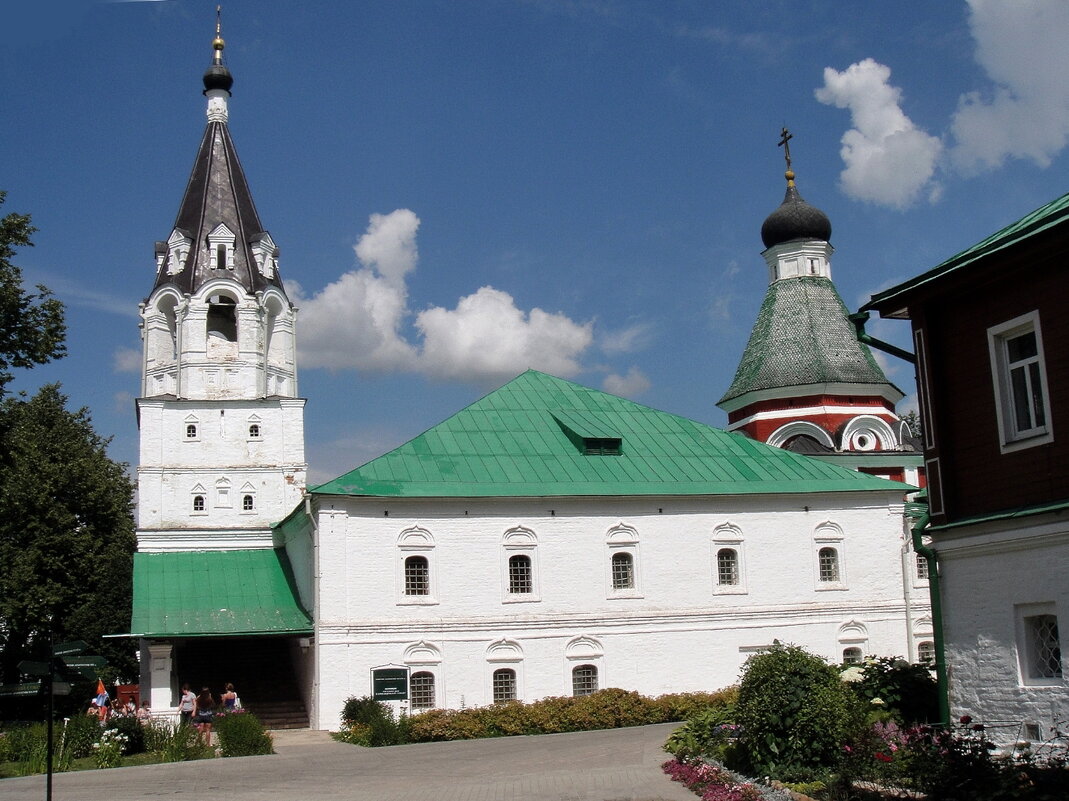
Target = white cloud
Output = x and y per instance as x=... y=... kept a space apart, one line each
x=1021 y=46
x=889 y=161
x=487 y=337
x=126 y=360
x=358 y=322
x=628 y=386
x=625 y=340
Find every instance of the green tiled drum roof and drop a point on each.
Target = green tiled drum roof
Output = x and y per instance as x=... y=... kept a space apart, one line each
x=201 y=593
x=512 y=443
x=802 y=336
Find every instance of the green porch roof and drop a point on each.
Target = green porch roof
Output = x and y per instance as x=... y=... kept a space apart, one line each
x=1045 y=217
x=213 y=593
x=515 y=442
x=803 y=336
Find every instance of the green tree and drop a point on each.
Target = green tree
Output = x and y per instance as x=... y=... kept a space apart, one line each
x=66 y=533
x=31 y=324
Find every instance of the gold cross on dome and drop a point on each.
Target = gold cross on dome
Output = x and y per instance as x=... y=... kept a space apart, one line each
x=785 y=143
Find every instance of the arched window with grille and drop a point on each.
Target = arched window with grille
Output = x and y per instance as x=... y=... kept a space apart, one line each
x=198 y=503
x=417 y=575
x=727 y=567
x=584 y=680
x=828 y=565
x=504 y=681
x=852 y=656
x=421 y=690
x=926 y=653
x=521 y=575
x=623 y=571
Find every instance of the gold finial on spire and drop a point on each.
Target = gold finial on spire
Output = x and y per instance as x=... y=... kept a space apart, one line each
x=785 y=143
x=217 y=43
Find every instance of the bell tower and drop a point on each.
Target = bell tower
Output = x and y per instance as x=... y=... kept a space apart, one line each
x=221 y=425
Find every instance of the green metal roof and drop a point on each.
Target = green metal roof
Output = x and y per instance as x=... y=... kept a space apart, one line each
x=202 y=593
x=512 y=443
x=1054 y=213
x=802 y=336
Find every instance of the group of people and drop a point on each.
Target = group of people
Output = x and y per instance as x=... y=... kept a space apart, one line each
x=200 y=709
x=104 y=709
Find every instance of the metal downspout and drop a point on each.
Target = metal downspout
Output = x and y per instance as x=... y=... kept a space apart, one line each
x=942 y=687
x=859 y=319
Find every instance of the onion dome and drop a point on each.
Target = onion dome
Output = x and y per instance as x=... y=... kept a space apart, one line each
x=795 y=219
x=217 y=76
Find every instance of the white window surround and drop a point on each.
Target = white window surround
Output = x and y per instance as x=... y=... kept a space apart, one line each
x=865 y=432
x=190 y=428
x=1039 y=656
x=222 y=493
x=622 y=539
x=248 y=498
x=198 y=491
x=221 y=237
x=505 y=654
x=416 y=541
x=829 y=535
x=779 y=437
x=519 y=541
x=255 y=428
x=728 y=536
x=1024 y=372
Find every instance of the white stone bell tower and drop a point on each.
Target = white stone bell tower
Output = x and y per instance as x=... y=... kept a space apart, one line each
x=221 y=426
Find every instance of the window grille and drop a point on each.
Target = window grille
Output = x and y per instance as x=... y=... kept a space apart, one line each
x=851 y=656
x=421 y=690
x=623 y=571
x=417 y=576
x=254 y=431
x=247 y=503
x=1044 y=648
x=727 y=567
x=191 y=431
x=504 y=685
x=828 y=561
x=926 y=652
x=198 y=503
x=520 y=575
x=584 y=680
x=922 y=568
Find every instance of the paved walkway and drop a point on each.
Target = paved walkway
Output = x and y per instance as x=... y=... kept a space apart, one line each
x=615 y=765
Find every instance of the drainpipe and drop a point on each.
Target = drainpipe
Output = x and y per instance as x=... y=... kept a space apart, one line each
x=859 y=319
x=937 y=616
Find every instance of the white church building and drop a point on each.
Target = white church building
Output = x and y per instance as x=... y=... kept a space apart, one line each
x=546 y=540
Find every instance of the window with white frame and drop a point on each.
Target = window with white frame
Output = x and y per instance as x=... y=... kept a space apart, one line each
x=828 y=565
x=248 y=502
x=421 y=690
x=828 y=541
x=417 y=575
x=504 y=685
x=1020 y=381
x=728 y=569
x=191 y=430
x=1039 y=645
x=921 y=566
x=416 y=570
x=926 y=652
x=520 y=566
x=254 y=430
x=198 y=504
x=852 y=656
x=622 y=565
x=584 y=679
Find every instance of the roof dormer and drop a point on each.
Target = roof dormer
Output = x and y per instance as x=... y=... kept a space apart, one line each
x=177 y=251
x=221 y=242
x=264 y=253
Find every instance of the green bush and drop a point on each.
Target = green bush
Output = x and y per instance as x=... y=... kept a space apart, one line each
x=795 y=713
x=242 y=734
x=132 y=730
x=79 y=735
x=907 y=692
x=708 y=733
x=174 y=743
x=372 y=721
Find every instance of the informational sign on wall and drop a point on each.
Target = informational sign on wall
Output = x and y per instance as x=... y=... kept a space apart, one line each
x=389 y=683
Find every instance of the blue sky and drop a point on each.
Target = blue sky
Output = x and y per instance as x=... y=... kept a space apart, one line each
x=461 y=190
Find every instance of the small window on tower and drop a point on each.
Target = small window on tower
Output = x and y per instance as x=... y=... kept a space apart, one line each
x=198 y=503
x=247 y=503
x=220 y=257
x=254 y=431
x=191 y=430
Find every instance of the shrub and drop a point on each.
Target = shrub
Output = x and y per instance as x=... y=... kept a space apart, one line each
x=907 y=692
x=372 y=721
x=707 y=733
x=79 y=735
x=242 y=734
x=109 y=748
x=132 y=730
x=174 y=743
x=795 y=714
